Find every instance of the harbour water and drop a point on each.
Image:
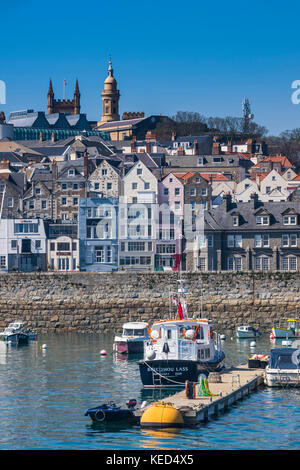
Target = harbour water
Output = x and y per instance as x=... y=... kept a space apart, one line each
x=44 y=394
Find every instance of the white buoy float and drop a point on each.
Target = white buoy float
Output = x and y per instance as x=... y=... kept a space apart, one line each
x=103 y=352
x=252 y=344
x=223 y=336
x=44 y=346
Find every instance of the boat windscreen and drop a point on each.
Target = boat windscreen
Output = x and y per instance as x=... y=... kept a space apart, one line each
x=284 y=361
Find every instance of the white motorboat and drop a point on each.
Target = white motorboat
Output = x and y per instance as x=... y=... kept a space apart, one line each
x=247 y=332
x=180 y=349
x=131 y=341
x=283 y=368
x=291 y=331
x=14 y=333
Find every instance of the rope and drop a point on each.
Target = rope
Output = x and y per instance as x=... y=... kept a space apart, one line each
x=157 y=373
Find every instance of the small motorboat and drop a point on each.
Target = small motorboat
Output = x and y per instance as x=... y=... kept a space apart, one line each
x=292 y=330
x=14 y=333
x=247 y=332
x=283 y=368
x=110 y=412
x=131 y=341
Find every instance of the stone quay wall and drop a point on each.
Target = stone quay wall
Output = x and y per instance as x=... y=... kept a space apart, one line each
x=102 y=302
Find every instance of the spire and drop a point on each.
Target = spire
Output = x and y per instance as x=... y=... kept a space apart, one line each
x=110 y=69
x=50 y=91
x=76 y=88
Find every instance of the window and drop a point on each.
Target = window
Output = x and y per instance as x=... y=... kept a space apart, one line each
x=10 y=202
x=108 y=254
x=203 y=192
x=289 y=240
x=147 y=185
x=202 y=264
x=99 y=254
x=268 y=189
x=166 y=191
x=63 y=246
x=210 y=241
x=166 y=248
x=104 y=171
x=96 y=185
x=217 y=159
x=289 y=220
x=63 y=201
x=31 y=204
x=64 y=186
x=74 y=246
x=177 y=205
x=38 y=244
x=108 y=185
x=261 y=240
x=192 y=191
x=139 y=171
x=75 y=201
x=134 y=185
x=177 y=191
x=75 y=186
x=289 y=263
x=26 y=228
x=234 y=241
x=262 y=220
x=234 y=263
x=71 y=172
x=200 y=161
x=52 y=246
x=2 y=261
x=261 y=263
x=14 y=244
x=44 y=204
x=136 y=246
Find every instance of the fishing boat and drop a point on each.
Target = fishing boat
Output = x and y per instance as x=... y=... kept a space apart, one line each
x=131 y=341
x=283 y=368
x=246 y=331
x=292 y=330
x=180 y=349
x=110 y=412
x=14 y=333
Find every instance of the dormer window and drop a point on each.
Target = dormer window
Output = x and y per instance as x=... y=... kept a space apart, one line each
x=262 y=220
x=71 y=172
x=289 y=220
x=200 y=161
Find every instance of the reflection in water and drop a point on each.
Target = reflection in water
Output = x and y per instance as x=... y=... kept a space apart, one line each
x=158 y=439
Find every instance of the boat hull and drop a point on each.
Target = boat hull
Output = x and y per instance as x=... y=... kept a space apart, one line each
x=283 y=333
x=274 y=378
x=247 y=334
x=129 y=347
x=103 y=415
x=16 y=338
x=173 y=373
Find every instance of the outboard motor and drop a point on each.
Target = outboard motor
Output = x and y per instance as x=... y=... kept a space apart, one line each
x=131 y=404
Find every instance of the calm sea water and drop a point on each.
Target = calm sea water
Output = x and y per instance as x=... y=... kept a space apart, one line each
x=45 y=393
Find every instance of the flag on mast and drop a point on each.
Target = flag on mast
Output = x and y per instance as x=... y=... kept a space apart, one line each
x=180 y=314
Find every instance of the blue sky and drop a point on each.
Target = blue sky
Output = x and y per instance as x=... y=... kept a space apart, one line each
x=168 y=56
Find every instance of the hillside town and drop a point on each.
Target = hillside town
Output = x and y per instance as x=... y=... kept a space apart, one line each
x=108 y=195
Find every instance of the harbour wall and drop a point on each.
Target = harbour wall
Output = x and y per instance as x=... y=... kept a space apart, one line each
x=102 y=302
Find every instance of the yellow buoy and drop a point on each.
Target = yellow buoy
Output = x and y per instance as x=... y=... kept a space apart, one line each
x=161 y=415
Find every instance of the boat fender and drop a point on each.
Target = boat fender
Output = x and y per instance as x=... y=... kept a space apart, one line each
x=153 y=339
x=100 y=415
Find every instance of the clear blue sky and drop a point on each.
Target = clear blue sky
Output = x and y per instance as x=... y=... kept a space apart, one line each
x=168 y=56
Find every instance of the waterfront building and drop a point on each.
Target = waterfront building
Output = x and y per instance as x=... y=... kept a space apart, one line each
x=106 y=179
x=168 y=247
x=23 y=245
x=98 y=233
x=63 y=254
x=12 y=187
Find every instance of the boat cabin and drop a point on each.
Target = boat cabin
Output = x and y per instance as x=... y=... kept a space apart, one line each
x=135 y=329
x=284 y=358
x=181 y=339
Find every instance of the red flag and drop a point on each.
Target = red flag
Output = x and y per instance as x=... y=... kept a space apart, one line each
x=180 y=311
x=174 y=301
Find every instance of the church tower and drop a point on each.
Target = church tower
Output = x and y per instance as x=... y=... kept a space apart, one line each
x=110 y=98
x=63 y=106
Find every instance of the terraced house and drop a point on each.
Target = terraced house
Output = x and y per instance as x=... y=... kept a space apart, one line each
x=253 y=236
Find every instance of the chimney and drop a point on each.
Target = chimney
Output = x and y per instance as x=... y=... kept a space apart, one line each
x=53 y=136
x=86 y=165
x=227 y=198
x=133 y=144
x=229 y=146
x=41 y=137
x=173 y=135
x=254 y=201
x=4 y=168
x=54 y=171
x=196 y=147
x=216 y=148
x=180 y=151
x=148 y=146
x=249 y=145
